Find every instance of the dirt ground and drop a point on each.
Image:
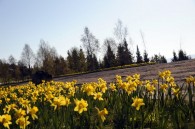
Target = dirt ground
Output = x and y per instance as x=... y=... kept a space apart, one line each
x=180 y=70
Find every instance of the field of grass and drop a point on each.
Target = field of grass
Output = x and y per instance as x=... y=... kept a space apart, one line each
x=158 y=103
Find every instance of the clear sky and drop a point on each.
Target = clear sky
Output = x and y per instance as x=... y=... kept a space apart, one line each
x=165 y=24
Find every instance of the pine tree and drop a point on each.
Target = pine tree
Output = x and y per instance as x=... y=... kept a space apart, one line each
x=146 y=59
x=109 y=58
x=163 y=59
x=92 y=62
x=82 y=61
x=70 y=60
x=182 y=55
x=159 y=59
x=175 y=58
x=128 y=59
x=75 y=59
x=124 y=56
x=95 y=62
x=138 y=55
x=60 y=66
x=89 y=62
x=120 y=55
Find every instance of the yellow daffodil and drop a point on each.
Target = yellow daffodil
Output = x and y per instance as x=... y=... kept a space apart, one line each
x=173 y=84
x=118 y=79
x=88 y=88
x=170 y=79
x=154 y=82
x=60 y=101
x=175 y=91
x=33 y=111
x=34 y=99
x=71 y=91
x=129 y=78
x=190 y=79
x=13 y=96
x=130 y=87
x=102 y=85
x=9 y=107
x=167 y=73
x=137 y=103
x=81 y=105
x=102 y=113
x=20 y=112
x=98 y=96
x=136 y=76
x=123 y=85
x=162 y=75
x=163 y=87
x=23 y=122
x=150 y=88
x=5 y=120
x=48 y=97
x=7 y=100
x=25 y=103
x=112 y=87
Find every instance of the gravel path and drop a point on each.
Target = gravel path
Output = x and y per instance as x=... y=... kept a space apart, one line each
x=180 y=70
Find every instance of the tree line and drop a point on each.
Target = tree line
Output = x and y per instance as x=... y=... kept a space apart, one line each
x=115 y=53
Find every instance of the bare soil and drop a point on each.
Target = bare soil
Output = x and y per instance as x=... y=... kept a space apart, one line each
x=180 y=70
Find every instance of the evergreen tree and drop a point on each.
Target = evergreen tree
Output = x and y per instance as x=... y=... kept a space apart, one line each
x=70 y=60
x=175 y=58
x=92 y=62
x=159 y=59
x=4 y=71
x=128 y=59
x=95 y=62
x=124 y=56
x=155 y=58
x=82 y=61
x=182 y=55
x=101 y=64
x=146 y=59
x=109 y=58
x=76 y=61
x=163 y=59
x=138 y=55
x=106 y=62
x=120 y=55
x=60 y=66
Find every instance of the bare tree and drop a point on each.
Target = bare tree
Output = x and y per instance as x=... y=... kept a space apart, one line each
x=143 y=39
x=11 y=60
x=131 y=45
x=42 y=53
x=91 y=46
x=120 y=32
x=90 y=43
x=27 y=56
x=46 y=57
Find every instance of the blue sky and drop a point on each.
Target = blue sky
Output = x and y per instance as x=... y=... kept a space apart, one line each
x=164 y=23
